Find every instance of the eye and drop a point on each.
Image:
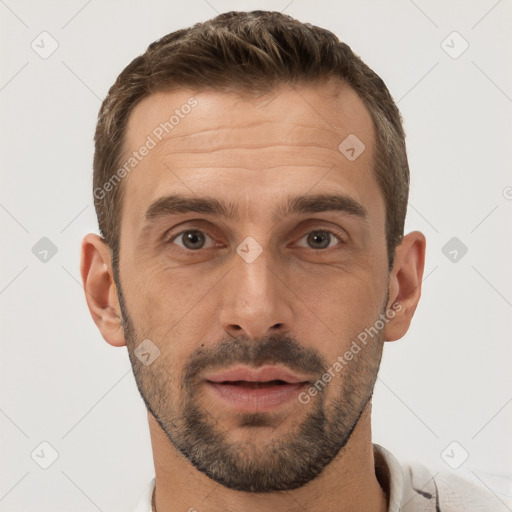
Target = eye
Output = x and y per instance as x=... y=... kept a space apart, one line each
x=321 y=239
x=192 y=239
x=195 y=240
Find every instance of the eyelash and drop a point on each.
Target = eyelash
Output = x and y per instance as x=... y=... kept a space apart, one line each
x=321 y=230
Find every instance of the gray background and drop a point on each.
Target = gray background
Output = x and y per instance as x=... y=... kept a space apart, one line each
x=447 y=381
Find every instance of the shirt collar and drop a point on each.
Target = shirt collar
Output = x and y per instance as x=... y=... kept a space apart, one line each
x=390 y=476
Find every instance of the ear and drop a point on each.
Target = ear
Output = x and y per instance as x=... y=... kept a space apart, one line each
x=100 y=289
x=405 y=284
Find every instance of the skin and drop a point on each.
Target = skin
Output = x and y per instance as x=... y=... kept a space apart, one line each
x=254 y=153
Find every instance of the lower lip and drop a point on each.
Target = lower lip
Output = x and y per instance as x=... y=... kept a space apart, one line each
x=255 y=399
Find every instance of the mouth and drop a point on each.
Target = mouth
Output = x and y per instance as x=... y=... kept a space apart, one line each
x=246 y=389
x=275 y=375
x=255 y=385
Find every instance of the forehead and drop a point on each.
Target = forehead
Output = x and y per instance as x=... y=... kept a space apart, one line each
x=248 y=149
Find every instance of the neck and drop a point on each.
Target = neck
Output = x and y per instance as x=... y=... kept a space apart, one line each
x=348 y=483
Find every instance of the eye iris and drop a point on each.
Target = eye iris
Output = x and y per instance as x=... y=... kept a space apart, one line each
x=318 y=236
x=192 y=237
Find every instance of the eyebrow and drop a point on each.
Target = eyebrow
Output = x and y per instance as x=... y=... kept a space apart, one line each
x=178 y=204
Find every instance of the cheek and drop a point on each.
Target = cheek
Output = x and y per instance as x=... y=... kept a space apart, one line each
x=338 y=307
x=174 y=308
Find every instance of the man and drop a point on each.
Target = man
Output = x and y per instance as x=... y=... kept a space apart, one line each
x=251 y=185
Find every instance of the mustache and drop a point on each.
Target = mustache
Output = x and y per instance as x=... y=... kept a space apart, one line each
x=242 y=350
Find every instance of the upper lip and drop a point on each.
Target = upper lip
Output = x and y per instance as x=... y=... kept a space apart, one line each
x=262 y=374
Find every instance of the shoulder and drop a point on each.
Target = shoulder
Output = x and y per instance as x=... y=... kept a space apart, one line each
x=416 y=488
x=447 y=491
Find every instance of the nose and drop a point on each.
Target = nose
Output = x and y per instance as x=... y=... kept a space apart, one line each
x=256 y=300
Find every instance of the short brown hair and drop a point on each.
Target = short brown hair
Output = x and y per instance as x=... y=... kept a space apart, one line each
x=252 y=52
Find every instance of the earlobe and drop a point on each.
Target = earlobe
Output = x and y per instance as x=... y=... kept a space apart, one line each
x=100 y=289
x=405 y=284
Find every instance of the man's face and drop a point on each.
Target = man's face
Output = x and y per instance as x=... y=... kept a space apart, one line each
x=196 y=284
